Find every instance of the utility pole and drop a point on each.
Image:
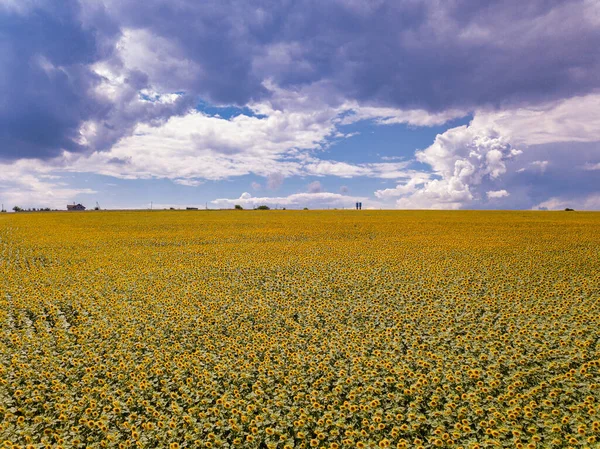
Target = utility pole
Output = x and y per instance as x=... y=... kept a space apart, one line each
x=150 y=205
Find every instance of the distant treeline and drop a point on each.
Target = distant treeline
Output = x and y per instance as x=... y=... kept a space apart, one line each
x=33 y=209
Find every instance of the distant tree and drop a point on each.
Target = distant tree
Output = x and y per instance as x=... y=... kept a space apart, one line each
x=263 y=207
x=568 y=209
x=17 y=209
x=238 y=207
x=306 y=208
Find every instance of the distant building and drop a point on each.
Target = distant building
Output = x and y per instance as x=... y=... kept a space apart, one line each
x=75 y=207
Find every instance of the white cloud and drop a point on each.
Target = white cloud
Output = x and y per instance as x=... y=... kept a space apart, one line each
x=384 y=170
x=256 y=186
x=200 y=146
x=28 y=183
x=468 y=159
x=152 y=96
x=334 y=168
x=297 y=200
x=275 y=144
x=497 y=194
x=391 y=116
x=589 y=202
x=416 y=181
x=421 y=201
x=317 y=97
x=281 y=140
x=461 y=159
x=591 y=166
x=132 y=101
x=188 y=182
x=540 y=165
x=160 y=59
x=575 y=119
x=468 y=154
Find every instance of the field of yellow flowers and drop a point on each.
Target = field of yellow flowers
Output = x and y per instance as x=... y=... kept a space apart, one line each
x=300 y=329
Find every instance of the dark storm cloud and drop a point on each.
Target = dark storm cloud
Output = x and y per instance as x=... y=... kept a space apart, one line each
x=434 y=55
x=564 y=176
x=545 y=171
x=45 y=79
x=48 y=88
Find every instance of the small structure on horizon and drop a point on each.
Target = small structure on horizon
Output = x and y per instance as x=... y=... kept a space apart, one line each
x=358 y=206
x=75 y=206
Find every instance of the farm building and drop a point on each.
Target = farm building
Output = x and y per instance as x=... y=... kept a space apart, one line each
x=75 y=207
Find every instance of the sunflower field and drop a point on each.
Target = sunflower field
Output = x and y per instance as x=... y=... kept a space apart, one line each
x=300 y=329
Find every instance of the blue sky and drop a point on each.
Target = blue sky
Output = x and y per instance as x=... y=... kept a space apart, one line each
x=397 y=104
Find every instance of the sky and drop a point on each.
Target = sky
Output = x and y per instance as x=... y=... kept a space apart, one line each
x=398 y=104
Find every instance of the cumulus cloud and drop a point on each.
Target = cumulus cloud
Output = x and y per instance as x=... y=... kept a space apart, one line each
x=468 y=154
x=557 y=143
x=560 y=143
x=461 y=159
